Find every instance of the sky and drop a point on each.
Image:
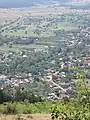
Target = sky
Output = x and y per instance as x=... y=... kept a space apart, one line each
x=15 y=3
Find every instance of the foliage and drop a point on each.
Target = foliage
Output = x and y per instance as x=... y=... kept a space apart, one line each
x=79 y=111
x=70 y=109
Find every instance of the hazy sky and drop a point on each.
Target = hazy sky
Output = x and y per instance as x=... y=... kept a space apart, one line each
x=22 y=3
x=12 y=3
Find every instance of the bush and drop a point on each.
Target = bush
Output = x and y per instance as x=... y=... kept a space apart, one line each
x=76 y=111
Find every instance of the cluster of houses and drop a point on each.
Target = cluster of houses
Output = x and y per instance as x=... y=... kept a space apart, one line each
x=15 y=81
x=55 y=79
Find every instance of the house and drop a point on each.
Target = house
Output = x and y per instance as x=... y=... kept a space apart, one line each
x=62 y=96
x=3 y=78
x=52 y=96
x=87 y=62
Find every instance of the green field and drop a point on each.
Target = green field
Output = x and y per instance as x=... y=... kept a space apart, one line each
x=18 y=48
x=48 y=32
x=70 y=108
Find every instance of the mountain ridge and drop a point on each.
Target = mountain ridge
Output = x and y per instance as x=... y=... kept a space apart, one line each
x=29 y=3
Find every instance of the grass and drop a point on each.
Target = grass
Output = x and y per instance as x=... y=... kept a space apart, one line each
x=48 y=30
x=42 y=107
x=27 y=108
x=30 y=32
x=21 y=33
x=18 y=48
x=65 y=27
x=43 y=110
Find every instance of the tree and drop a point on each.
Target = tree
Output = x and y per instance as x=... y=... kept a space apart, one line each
x=1 y=96
x=18 y=95
x=25 y=32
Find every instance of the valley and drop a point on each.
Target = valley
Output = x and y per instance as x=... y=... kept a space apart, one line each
x=42 y=46
x=44 y=63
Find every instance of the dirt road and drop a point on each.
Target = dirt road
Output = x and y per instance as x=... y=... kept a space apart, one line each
x=26 y=117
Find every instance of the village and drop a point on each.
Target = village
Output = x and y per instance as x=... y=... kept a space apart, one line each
x=74 y=55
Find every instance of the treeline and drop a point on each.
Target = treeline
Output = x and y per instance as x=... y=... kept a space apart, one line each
x=19 y=95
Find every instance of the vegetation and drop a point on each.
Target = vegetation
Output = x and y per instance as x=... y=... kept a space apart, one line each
x=70 y=109
x=65 y=109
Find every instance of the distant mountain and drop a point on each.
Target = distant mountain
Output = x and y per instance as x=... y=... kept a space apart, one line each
x=81 y=1
x=16 y=3
x=28 y=3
